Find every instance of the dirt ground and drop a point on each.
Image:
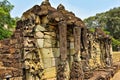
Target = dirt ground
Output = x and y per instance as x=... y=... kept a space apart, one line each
x=116 y=56
x=116 y=76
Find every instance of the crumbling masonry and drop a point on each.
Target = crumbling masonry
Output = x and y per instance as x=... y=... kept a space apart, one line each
x=53 y=43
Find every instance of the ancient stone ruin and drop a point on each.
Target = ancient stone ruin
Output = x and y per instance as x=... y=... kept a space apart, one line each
x=10 y=56
x=54 y=44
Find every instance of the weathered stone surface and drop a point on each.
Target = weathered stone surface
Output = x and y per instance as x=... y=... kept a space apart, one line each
x=72 y=51
x=72 y=45
x=28 y=43
x=39 y=28
x=39 y=35
x=76 y=71
x=47 y=62
x=40 y=43
x=13 y=41
x=28 y=55
x=49 y=40
x=47 y=37
x=51 y=28
x=71 y=38
x=12 y=50
x=56 y=52
x=44 y=20
x=63 y=71
x=48 y=72
x=53 y=62
x=52 y=34
x=49 y=43
x=46 y=52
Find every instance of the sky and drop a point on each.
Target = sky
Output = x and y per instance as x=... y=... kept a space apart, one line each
x=81 y=8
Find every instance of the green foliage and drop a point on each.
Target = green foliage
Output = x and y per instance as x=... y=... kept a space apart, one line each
x=92 y=30
x=6 y=5
x=4 y=33
x=109 y=21
x=6 y=19
x=115 y=43
x=107 y=32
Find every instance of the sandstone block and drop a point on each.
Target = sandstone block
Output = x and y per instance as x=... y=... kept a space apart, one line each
x=53 y=34
x=40 y=43
x=56 y=52
x=39 y=35
x=47 y=43
x=71 y=39
x=47 y=37
x=51 y=28
x=47 y=62
x=40 y=28
x=71 y=45
x=44 y=20
x=72 y=51
x=55 y=61
x=50 y=73
x=13 y=41
x=28 y=55
x=28 y=44
x=46 y=52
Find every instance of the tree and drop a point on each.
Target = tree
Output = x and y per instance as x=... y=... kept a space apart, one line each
x=110 y=23
x=6 y=19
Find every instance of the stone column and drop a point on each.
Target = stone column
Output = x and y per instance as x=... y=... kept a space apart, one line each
x=84 y=52
x=62 y=67
x=76 y=70
x=111 y=58
x=101 y=52
x=108 y=58
x=84 y=39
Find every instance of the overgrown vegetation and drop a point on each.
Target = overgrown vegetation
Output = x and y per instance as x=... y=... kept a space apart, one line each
x=110 y=22
x=6 y=21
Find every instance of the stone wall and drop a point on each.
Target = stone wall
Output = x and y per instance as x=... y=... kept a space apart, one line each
x=52 y=43
x=10 y=56
x=49 y=37
x=41 y=50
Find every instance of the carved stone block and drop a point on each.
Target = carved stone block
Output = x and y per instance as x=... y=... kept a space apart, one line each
x=56 y=52
x=47 y=62
x=39 y=28
x=46 y=52
x=39 y=35
x=52 y=34
x=40 y=43
x=49 y=43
